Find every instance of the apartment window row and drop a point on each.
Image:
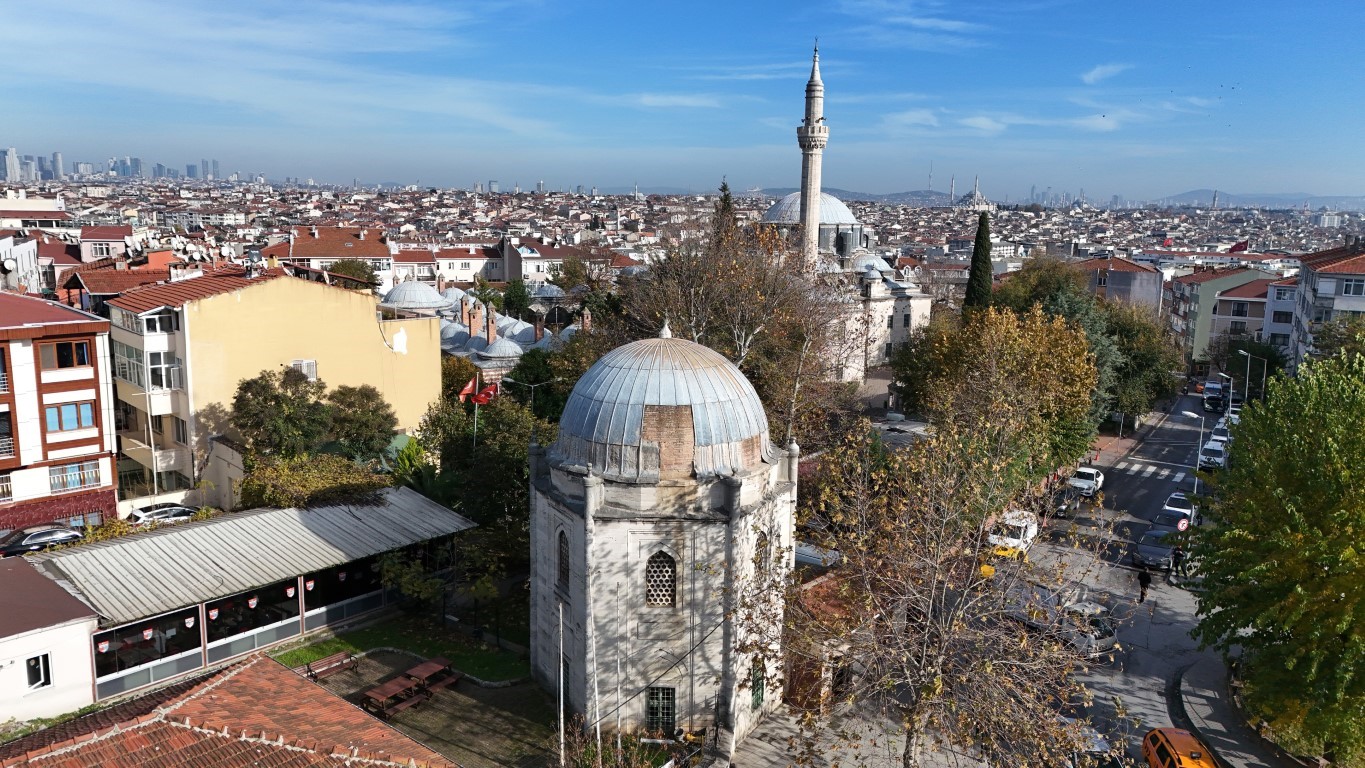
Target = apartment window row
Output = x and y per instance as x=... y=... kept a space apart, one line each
x=69 y=417
x=64 y=354
x=1282 y=317
x=73 y=477
x=1353 y=287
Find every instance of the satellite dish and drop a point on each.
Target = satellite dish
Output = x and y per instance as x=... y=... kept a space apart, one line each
x=128 y=241
x=225 y=251
x=10 y=265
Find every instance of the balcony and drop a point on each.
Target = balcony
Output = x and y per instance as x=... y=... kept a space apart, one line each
x=4 y=381
x=136 y=445
x=6 y=447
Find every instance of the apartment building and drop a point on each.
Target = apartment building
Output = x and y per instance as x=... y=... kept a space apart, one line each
x=321 y=247
x=1120 y=279
x=1331 y=286
x=1192 y=301
x=56 y=415
x=180 y=348
x=1279 y=324
x=1240 y=312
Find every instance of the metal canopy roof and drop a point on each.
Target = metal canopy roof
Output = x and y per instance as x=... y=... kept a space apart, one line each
x=134 y=577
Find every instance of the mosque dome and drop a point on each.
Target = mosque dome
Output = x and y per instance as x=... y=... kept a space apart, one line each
x=414 y=295
x=663 y=408
x=455 y=332
x=453 y=293
x=788 y=211
x=501 y=349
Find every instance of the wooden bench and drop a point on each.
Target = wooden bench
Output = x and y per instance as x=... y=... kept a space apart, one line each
x=445 y=682
x=402 y=704
x=330 y=665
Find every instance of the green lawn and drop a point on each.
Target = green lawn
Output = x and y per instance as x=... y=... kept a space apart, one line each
x=420 y=636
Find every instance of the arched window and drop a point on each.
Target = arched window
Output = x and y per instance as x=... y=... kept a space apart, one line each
x=661 y=579
x=563 y=564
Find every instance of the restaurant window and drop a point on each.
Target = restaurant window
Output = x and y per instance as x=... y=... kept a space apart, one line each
x=247 y=611
x=39 y=670
x=65 y=354
x=145 y=642
x=69 y=416
x=342 y=582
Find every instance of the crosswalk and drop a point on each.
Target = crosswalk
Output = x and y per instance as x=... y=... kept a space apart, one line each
x=1148 y=470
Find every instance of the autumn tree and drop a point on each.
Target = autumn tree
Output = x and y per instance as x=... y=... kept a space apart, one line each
x=981 y=275
x=280 y=413
x=919 y=627
x=1339 y=335
x=309 y=481
x=456 y=372
x=356 y=269
x=1283 y=576
x=363 y=423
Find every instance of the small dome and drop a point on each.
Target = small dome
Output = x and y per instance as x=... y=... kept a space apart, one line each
x=505 y=321
x=788 y=211
x=501 y=349
x=454 y=331
x=453 y=294
x=548 y=291
x=414 y=295
x=663 y=409
x=568 y=332
x=476 y=343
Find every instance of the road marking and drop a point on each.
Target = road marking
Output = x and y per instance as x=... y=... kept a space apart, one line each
x=1121 y=465
x=1163 y=474
x=1179 y=476
x=1133 y=469
x=1149 y=471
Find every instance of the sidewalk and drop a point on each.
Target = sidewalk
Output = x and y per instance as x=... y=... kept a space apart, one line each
x=1207 y=703
x=1109 y=449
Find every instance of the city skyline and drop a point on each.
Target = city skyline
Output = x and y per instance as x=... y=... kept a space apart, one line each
x=1049 y=94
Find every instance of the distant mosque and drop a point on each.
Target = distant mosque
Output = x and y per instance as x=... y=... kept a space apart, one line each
x=883 y=311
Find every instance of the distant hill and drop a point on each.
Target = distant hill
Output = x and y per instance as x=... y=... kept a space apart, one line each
x=1204 y=198
x=921 y=197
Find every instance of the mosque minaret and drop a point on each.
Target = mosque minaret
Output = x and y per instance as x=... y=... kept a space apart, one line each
x=812 y=135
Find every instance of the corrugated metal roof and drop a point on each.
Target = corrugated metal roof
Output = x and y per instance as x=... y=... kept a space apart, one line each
x=130 y=578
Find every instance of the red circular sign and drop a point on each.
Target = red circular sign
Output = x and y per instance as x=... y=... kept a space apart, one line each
x=1183 y=524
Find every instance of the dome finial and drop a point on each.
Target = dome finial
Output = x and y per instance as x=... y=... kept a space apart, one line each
x=665 y=332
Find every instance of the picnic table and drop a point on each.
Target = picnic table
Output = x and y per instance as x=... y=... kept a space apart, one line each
x=411 y=688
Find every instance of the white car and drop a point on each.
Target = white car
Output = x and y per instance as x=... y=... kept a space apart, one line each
x=1179 y=504
x=1214 y=455
x=1234 y=416
x=164 y=514
x=1087 y=480
x=1014 y=533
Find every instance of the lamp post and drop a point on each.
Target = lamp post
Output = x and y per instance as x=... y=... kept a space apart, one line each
x=1227 y=401
x=1198 y=446
x=1265 y=366
x=532 y=387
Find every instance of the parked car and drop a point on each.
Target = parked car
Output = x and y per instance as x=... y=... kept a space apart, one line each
x=1180 y=504
x=1214 y=455
x=1170 y=521
x=1087 y=480
x=1067 y=612
x=165 y=513
x=1234 y=416
x=1153 y=550
x=1091 y=750
x=1014 y=533
x=1214 y=403
x=1175 y=748
x=37 y=539
x=1220 y=432
x=1066 y=500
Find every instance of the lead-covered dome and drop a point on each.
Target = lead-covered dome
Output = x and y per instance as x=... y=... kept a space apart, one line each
x=415 y=295
x=788 y=211
x=663 y=409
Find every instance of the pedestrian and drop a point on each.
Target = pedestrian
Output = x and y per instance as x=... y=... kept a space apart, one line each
x=1144 y=581
x=1178 y=562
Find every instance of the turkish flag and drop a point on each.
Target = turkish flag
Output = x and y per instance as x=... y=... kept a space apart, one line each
x=1239 y=247
x=469 y=388
x=1167 y=243
x=486 y=394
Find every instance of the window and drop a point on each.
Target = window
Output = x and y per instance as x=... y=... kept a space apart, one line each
x=128 y=364
x=563 y=576
x=182 y=431
x=1284 y=294
x=163 y=371
x=890 y=321
x=1101 y=279
x=1239 y=309
x=126 y=320
x=1279 y=339
x=6 y=488
x=1353 y=287
x=758 y=683
x=1237 y=326
x=905 y=320
x=661 y=710
x=157 y=424
x=762 y=553
x=69 y=416
x=65 y=354
x=165 y=323
x=661 y=580
x=73 y=477
x=39 y=670
x=464 y=265
x=101 y=249
x=308 y=368
x=1282 y=317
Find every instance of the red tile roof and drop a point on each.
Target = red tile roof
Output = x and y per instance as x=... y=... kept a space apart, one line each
x=257 y=713
x=17 y=311
x=177 y=294
x=1207 y=275
x=332 y=243
x=60 y=251
x=110 y=281
x=1343 y=260
x=1116 y=264
x=35 y=215
x=1256 y=289
x=106 y=233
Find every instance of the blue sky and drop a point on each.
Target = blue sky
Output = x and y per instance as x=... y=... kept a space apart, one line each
x=1141 y=99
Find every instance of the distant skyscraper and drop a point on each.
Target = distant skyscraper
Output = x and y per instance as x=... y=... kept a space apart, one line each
x=28 y=171
x=58 y=170
x=492 y=186
x=191 y=171
x=158 y=171
x=204 y=168
x=43 y=171
x=216 y=175
x=135 y=168
x=540 y=187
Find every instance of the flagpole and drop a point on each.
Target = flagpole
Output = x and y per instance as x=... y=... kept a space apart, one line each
x=560 y=661
x=476 y=411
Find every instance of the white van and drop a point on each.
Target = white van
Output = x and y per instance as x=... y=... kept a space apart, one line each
x=1014 y=533
x=1214 y=455
x=1065 y=611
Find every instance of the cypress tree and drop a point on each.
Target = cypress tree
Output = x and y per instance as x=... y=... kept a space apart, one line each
x=979 y=278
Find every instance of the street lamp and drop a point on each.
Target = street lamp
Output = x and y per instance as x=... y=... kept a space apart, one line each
x=1198 y=446
x=1227 y=401
x=1265 y=365
x=532 y=387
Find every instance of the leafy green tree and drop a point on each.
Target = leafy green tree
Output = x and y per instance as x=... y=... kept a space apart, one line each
x=1040 y=279
x=516 y=299
x=359 y=269
x=1151 y=358
x=981 y=275
x=309 y=481
x=1340 y=335
x=486 y=293
x=1224 y=352
x=1283 y=573
x=536 y=366
x=363 y=423
x=280 y=413
x=456 y=372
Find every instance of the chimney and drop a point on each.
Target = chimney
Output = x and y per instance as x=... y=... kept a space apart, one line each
x=585 y=322
x=362 y=234
x=490 y=326
x=315 y=233
x=539 y=326
x=464 y=311
x=440 y=283
x=475 y=318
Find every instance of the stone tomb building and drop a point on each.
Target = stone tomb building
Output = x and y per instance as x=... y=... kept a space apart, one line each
x=657 y=518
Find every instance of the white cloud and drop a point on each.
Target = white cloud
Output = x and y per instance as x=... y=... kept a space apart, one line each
x=677 y=100
x=910 y=118
x=984 y=124
x=1103 y=72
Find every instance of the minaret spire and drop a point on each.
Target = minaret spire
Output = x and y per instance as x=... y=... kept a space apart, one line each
x=811 y=136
